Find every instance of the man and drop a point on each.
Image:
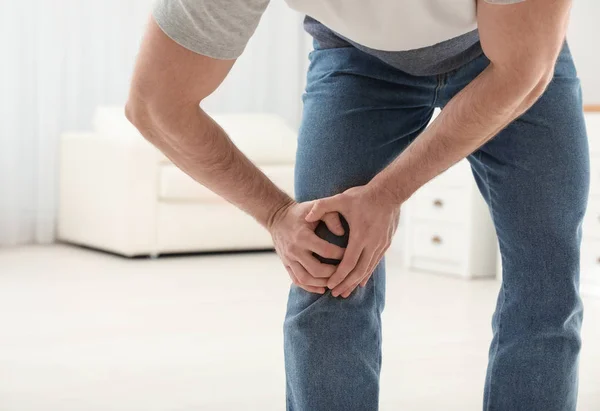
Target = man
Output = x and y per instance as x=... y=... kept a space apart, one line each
x=499 y=69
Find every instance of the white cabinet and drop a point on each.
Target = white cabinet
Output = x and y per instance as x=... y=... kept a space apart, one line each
x=590 y=247
x=448 y=228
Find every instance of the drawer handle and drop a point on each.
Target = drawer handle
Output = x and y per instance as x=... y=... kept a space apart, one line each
x=598 y=260
x=439 y=204
x=436 y=239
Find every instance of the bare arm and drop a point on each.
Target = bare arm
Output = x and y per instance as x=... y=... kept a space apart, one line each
x=168 y=84
x=522 y=42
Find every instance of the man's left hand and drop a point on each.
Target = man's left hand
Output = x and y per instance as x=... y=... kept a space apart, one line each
x=373 y=218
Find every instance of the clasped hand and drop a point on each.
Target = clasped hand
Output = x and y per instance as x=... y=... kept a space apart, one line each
x=373 y=219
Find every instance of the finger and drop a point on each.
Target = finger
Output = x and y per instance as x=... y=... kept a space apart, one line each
x=356 y=284
x=333 y=223
x=310 y=289
x=324 y=248
x=349 y=261
x=315 y=268
x=320 y=208
x=304 y=277
x=354 y=277
x=350 y=289
x=291 y=274
x=347 y=293
x=362 y=282
x=373 y=267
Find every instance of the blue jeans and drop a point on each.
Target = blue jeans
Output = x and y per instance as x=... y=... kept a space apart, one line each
x=359 y=114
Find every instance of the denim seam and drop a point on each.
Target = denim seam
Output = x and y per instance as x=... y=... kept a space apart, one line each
x=438 y=87
x=502 y=289
x=378 y=316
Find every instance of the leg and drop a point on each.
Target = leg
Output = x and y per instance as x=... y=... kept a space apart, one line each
x=535 y=175
x=358 y=115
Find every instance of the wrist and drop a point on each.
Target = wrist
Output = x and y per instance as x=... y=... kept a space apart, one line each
x=276 y=211
x=390 y=195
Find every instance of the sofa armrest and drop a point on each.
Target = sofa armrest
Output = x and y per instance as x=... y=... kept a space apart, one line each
x=108 y=193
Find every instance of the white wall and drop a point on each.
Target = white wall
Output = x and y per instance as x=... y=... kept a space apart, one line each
x=584 y=40
x=63 y=58
x=270 y=75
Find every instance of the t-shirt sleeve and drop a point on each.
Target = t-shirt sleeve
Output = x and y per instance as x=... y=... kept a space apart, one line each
x=504 y=1
x=215 y=28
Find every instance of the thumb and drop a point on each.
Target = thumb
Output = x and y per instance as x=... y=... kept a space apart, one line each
x=333 y=223
x=319 y=209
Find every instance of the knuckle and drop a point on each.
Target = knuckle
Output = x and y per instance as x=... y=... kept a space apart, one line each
x=303 y=277
x=334 y=281
x=294 y=239
x=321 y=282
x=313 y=282
x=326 y=270
x=343 y=269
x=302 y=235
x=333 y=251
x=293 y=249
x=320 y=273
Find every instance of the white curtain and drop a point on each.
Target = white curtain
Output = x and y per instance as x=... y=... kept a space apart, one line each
x=63 y=58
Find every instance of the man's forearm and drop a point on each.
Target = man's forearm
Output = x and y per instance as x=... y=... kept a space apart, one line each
x=475 y=115
x=202 y=149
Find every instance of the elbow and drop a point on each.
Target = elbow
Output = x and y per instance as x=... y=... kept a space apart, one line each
x=158 y=115
x=529 y=77
x=147 y=116
x=540 y=81
x=138 y=113
x=131 y=110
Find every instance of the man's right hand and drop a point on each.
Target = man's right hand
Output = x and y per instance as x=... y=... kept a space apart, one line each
x=168 y=86
x=295 y=241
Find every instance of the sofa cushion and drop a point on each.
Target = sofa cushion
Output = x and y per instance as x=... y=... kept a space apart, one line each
x=111 y=122
x=175 y=185
x=265 y=138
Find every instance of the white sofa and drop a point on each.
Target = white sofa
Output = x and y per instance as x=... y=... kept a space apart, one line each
x=119 y=194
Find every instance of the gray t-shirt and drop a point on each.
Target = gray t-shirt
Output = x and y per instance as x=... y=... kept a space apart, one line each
x=424 y=37
x=437 y=59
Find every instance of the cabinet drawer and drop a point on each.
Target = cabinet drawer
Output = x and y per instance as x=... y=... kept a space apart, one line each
x=590 y=262
x=439 y=241
x=441 y=204
x=595 y=176
x=591 y=222
x=458 y=175
x=592 y=121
